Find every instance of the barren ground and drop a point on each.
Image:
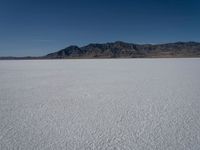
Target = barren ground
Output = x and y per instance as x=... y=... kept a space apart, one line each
x=141 y=104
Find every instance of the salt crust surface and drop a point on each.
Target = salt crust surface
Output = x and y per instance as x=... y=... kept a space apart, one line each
x=141 y=104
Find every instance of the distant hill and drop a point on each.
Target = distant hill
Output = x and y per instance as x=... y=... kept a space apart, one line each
x=128 y=50
x=20 y=58
x=123 y=50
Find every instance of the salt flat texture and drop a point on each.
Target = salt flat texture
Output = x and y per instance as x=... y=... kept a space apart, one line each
x=131 y=104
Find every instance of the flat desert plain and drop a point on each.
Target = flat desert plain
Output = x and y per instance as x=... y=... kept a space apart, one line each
x=125 y=104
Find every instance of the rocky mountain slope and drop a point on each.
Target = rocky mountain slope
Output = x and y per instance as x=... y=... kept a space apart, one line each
x=128 y=50
x=123 y=50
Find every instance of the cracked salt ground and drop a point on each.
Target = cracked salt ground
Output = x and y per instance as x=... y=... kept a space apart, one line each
x=100 y=104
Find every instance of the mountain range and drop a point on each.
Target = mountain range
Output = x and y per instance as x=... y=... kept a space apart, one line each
x=121 y=49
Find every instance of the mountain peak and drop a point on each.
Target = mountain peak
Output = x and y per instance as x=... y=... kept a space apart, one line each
x=73 y=47
x=122 y=49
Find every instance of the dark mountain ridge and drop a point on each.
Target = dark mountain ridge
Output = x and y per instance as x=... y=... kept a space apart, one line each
x=128 y=50
x=121 y=49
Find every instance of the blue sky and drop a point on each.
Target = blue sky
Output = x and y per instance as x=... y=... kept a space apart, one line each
x=37 y=27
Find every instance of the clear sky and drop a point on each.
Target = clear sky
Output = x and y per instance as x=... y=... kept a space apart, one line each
x=37 y=27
